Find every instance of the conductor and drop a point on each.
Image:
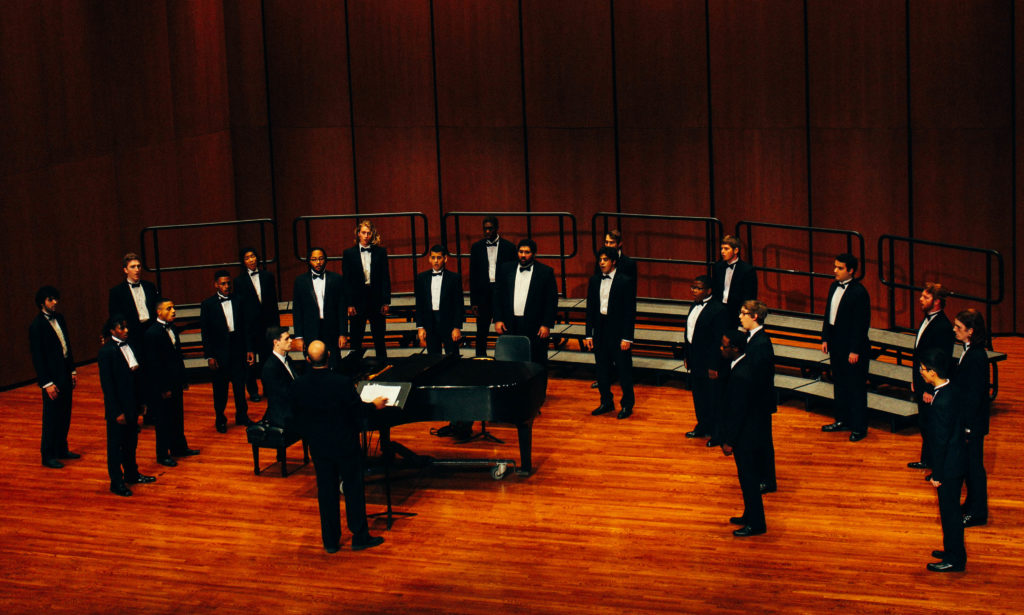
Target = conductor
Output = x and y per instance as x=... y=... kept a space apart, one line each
x=328 y=413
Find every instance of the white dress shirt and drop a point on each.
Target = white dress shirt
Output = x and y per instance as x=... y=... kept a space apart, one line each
x=364 y=257
x=254 y=277
x=435 y=289
x=126 y=351
x=318 y=290
x=691 y=318
x=139 y=296
x=229 y=312
x=170 y=332
x=606 y=290
x=522 y=288
x=727 y=284
x=924 y=325
x=284 y=361
x=837 y=297
x=492 y=260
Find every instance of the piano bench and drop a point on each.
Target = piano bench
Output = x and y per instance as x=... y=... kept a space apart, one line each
x=287 y=439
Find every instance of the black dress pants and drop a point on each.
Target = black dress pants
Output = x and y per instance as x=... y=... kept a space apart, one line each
x=750 y=485
x=952 y=523
x=367 y=311
x=170 y=425
x=976 y=502
x=484 y=317
x=122 y=439
x=850 y=390
x=331 y=468
x=56 y=423
x=609 y=356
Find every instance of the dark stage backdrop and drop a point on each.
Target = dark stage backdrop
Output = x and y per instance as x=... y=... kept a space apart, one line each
x=883 y=116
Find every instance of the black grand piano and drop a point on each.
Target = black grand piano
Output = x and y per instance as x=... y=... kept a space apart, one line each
x=449 y=388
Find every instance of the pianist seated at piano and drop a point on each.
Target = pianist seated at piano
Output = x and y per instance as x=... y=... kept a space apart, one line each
x=329 y=414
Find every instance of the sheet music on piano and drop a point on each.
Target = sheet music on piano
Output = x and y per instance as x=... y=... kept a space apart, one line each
x=396 y=392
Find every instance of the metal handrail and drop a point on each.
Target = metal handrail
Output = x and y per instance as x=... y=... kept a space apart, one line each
x=890 y=240
x=811 y=231
x=159 y=269
x=413 y=216
x=712 y=234
x=562 y=216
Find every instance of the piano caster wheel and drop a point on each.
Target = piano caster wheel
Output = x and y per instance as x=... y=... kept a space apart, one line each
x=498 y=472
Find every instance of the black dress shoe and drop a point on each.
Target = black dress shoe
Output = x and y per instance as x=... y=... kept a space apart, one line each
x=696 y=433
x=121 y=489
x=256 y=398
x=445 y=431
x=140 y=479
x=918 y=465
x=593 y=385
x=366 y=542
x=837 y=426
x=333 y=549
x=928 y=476
x=625 y=413
x=857 y=436
x=939 y=554
x=737 y=521
x=222 y=428
x=167 y=461
x=946 y=567
x=52 y=463
x=713 y=442
x=766 y=488
x=974 y=520
x=188 y=452
x=69 y=455
x=602 y=409
x=747 y=530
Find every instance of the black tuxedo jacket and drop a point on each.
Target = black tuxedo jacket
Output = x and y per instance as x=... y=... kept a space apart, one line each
x=541 y=299
x=216 y=340
x=621 y=317
x=452 y=306
x=277 y=385
x=850 y=332
x=761 y=355
x=378 y=292
x=265 y=312
x=946 y=436
x=328 y=413
x=742 y=288
x=306 y=312
x=47 y=353
x=704 y=352
x=741 y=424
x=479 y=277
x=970 y=381
x=118 y=383
x=165 y=368
x=122 y=302
x=938 y=334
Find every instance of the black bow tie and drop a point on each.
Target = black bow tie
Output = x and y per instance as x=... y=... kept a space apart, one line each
x=732 y=266
x=254 y=273
x=606 y=277
x=439 y=273
x=491 y=243
x=168 y=326
x=122 y=344
x=361 y=249
x=318 y=276
x=223 y=299
x=525 y=269
x=135 y=285
x=844 y=284
x=48 y=316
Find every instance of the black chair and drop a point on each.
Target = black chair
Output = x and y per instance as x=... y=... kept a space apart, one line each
x=262 y=435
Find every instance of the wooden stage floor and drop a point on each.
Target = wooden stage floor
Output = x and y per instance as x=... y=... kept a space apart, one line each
x=619 y=517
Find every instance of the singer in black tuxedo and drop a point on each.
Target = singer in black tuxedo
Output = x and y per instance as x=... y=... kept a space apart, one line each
x=262 y=305
x=121 y=301
x=332 y=326
x=625 y=265
x=367 y=300
x=227 y=349
x=970 y=378
x=165 y=385
x=949 y=459
x=278 y=375
x=119 y=381
x=609 y=331
x=441 y=327
x=55 y=373
x=482 y=289
x=330 y=415
x=935 y=332
x=846 y=343
x=540 y=302
x=761 y=357
x=705 y=324
x=742 y=286
x=743 y=429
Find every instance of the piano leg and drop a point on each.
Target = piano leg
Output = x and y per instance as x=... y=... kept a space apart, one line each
x=525 y=447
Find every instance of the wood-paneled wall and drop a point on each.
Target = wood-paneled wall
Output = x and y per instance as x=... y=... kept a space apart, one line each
x=883 y=116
